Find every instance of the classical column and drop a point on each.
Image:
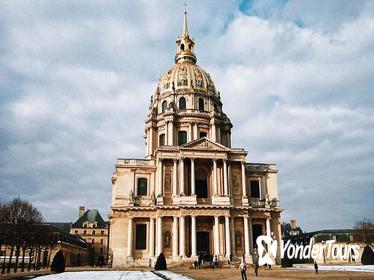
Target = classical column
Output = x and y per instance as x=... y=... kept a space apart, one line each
x=246 y=236
x=159 y=177
x=150 y=140
x=250 y=233
x=171 y=133
x=189 y=137
x=213 y=132
x=229 y=179
x=151 y=237
x=159 y=236
x=268 y=231
x=147 y=142
x=193 y=237
x=129 y=237
x=228 y=237
x=215 y=188
x=225 y=186
x=216 y=235
x=166 y=133
x=192 y=176
x=232 y=231
x=195 y=131
x=175 y=170
x=244 y=180
x=181 y=176
x=182 y=250
x=175 y=236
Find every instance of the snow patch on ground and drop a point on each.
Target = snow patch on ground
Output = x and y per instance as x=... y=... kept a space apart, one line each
x=354 y=268
x=112 y=275
x=172 y=275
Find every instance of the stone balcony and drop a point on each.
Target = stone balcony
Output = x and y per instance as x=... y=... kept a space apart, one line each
x=134 y=162
x=257 y=202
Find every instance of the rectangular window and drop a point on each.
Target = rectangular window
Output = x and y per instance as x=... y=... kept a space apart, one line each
x=255 y=189
x=161 y=140
x=202 y=134
x=141 y=237
x=182 y=137
x=142 y=187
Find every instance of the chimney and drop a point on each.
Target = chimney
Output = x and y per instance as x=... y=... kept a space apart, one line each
x=81 y=211
x=293 y=223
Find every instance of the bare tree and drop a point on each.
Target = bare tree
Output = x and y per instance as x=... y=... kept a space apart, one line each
x=365 y=228
x=19 y=214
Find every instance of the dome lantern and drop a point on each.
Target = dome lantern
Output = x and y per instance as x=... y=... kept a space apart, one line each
x=185 y=44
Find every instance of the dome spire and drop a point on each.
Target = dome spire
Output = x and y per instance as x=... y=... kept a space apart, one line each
x=185 y=27
x=185 y=44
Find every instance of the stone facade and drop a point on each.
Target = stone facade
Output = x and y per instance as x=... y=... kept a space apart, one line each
x=94 y=230
x=193 y=193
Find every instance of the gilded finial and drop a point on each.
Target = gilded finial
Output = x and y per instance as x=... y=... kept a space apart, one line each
x=185 y=28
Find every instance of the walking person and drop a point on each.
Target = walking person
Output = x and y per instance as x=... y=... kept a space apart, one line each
x=243 y=269
x=256 y=268
x=316 y=267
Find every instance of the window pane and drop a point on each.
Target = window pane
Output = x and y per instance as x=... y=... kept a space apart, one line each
x=161 y=140
x=142 y=186
x=182 y=137
x=164 y=105
x=203 y=134
x=255 y=189
x=182 y=103
x=141 y=235
x=201 y=104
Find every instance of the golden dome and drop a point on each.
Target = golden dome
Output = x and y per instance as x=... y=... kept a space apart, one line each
x=186 y=75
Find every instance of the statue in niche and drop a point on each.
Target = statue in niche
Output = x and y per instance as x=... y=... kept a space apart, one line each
x=167 y=239
x=131 y=197
x=153 y=199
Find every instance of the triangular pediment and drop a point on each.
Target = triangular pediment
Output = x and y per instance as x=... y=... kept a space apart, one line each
x=204 y=144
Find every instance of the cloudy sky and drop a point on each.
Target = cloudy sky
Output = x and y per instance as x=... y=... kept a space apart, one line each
x=296 y=79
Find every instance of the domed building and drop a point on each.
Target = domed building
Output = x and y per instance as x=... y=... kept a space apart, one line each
x=193 y=194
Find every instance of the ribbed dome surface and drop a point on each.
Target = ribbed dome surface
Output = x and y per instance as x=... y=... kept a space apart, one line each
x=186 y=75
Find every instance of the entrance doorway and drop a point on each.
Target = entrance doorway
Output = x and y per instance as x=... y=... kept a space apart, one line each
x=201 y=188
x=257 y=231
x=203 y=243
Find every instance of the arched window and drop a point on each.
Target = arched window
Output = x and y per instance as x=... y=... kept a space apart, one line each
x=93 y=232
x=161 y=140
x=182 y=47
x=201 y=104
x=142 y=187
x=182 y=103
x=182 y=137
x=85 y=232
x=163 y=106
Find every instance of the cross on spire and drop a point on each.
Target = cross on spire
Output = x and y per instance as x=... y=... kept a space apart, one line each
x=185 y=28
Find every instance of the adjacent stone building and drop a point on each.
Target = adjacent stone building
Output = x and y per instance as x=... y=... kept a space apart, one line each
x=193 y=193
x=94 y=230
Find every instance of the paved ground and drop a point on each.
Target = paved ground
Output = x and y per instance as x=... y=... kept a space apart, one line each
x=275 y=273
x=264 y=274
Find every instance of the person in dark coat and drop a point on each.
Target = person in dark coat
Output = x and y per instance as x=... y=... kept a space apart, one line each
x=316 y=267
x=256 y=268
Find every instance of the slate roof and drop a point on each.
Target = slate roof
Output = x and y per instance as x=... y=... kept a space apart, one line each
x=64 y=227
x=91 y=215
